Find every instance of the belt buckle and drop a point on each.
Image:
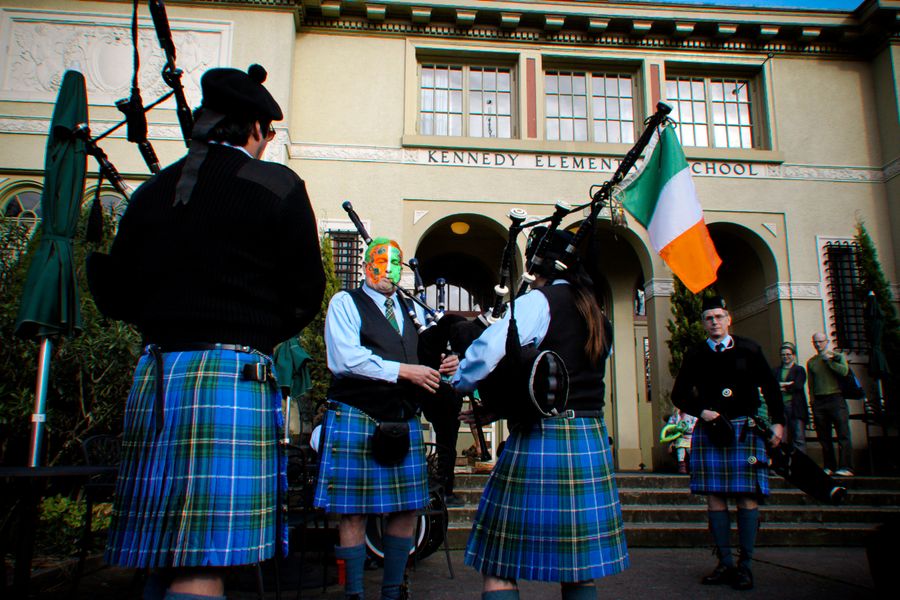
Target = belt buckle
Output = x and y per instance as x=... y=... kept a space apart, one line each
x=568 y=414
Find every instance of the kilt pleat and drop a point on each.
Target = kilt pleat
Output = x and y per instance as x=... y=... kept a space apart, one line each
x=550 y=510
x=351 y=482
x=205 y=489
x=741 y=468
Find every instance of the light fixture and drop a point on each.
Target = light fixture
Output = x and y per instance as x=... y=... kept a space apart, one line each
x=459 y=227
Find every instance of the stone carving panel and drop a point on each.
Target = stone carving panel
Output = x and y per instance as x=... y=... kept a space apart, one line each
x=43 y=45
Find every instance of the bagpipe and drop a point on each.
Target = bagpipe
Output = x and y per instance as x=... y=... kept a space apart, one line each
x=135 y=114
x=528 y=384
x=796 y=467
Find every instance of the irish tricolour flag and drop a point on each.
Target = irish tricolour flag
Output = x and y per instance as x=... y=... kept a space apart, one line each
x=661 y=196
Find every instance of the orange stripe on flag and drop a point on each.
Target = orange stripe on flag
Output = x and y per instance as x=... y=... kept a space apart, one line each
x=692 y=257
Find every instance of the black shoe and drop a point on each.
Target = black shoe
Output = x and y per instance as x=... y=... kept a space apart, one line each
x=722 y=574
x=743 y=579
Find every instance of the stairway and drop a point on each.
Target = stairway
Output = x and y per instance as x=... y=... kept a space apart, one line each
x=660 y=511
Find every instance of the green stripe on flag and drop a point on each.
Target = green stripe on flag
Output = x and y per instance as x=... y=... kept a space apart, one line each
x=643 y=193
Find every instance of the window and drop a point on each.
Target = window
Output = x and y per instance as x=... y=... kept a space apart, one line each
x=843 y=291
x=712 y=111
x=596 y=107
x=462 y=100
x=347 y=250
x=456 y=299
x=24 y=205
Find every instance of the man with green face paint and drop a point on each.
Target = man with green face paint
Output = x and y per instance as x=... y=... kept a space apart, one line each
x=372 y=348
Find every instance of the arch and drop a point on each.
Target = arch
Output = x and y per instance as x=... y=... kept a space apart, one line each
x=747 y=274
x=22 y=201
x=470 y=260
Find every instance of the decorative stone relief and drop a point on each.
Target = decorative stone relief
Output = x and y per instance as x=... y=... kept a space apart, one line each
x=808 y=172
x=42 y=45
x=659 y=287
x=757 y=305
x=794 y=291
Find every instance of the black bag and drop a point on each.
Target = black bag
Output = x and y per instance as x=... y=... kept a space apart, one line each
x=390 y=442
x=851 y=389
x=720 y=431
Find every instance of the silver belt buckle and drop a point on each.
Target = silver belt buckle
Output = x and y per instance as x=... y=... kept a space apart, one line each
x=568 y=414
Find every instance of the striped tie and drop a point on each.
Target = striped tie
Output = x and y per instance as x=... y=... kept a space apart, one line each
x=389 y=314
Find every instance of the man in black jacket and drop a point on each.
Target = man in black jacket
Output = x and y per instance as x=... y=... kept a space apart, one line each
x=719 y=383
x=792 y=380
x=215 y=261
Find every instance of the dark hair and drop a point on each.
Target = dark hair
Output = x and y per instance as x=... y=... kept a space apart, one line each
x=233 y=130
x=587 y=305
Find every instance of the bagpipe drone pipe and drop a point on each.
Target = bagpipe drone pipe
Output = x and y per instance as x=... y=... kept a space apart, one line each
x=797 y=468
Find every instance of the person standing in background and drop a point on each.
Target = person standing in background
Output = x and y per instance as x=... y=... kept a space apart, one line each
x=829 y=406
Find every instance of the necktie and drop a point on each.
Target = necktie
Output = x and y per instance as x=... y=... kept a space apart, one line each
x=389 y=314
x=720 y=347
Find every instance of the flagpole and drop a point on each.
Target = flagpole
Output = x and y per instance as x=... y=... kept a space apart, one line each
x=600 y=198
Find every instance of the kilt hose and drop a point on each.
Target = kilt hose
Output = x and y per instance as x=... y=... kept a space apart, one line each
x=550 y=510
x=204 y=490
x=741 y=468
x=352 y=483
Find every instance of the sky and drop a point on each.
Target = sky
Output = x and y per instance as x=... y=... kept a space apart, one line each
x=847 y=5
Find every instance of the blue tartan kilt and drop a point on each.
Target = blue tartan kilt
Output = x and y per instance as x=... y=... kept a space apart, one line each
x=352 y=483
x=204 y=490
x=550 y=510
x=741 y=468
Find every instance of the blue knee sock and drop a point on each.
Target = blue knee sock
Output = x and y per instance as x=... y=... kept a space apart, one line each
x=183 y=596
x=579 y=592
x=720 y=528
x=501 y=595
x=396 y=555
x=748 y=525
x=354 y=558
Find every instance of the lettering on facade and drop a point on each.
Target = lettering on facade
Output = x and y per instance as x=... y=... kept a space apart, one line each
x=568 y=162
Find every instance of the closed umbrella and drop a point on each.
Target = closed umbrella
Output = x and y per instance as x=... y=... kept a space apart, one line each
x=50 y=298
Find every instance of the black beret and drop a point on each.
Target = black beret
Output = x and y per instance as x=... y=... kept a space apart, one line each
x=712 y=303
x=555 y=249
x=235 y=93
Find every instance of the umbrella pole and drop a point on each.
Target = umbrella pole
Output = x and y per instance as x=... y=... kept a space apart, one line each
x=40 y=401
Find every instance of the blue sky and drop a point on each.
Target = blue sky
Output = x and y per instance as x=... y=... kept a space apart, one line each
x=848 y=5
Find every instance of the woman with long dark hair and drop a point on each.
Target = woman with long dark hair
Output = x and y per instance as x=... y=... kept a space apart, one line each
x=550 y=510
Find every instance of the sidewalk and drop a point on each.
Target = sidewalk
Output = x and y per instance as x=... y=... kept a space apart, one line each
x=795 y=573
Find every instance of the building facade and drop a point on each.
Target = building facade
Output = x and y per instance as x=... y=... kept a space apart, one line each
x=436 y=117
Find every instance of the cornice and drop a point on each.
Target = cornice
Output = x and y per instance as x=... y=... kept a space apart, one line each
x=614 y=24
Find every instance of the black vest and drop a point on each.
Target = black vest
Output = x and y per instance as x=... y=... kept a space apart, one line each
x=567 y=336
x=381 y=400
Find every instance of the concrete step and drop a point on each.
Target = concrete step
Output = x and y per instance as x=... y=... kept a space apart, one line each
x=657 y=497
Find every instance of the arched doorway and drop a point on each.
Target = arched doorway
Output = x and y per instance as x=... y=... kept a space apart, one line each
x=747 y=274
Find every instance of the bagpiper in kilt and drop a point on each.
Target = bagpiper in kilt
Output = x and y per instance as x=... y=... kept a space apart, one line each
x=215 y=261
x=719 y=382
x=373 y=459
x=550 y=511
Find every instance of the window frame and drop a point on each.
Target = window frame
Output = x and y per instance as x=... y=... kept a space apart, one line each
x=466 y=63
x=842 y=292
x=353 y=274
x=757 y=98
x=590 y=72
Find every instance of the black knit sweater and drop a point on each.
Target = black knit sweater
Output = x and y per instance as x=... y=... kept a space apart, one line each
x=727 y=382
x=238 y=264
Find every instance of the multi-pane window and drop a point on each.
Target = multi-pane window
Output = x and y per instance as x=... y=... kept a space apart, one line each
x=581 y=107
x=843 y=291
x=24 y=205
x=347 y=250
x=712 y=111
x=463 y=100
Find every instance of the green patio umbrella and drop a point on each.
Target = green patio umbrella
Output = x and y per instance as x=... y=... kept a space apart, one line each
x=50 y=298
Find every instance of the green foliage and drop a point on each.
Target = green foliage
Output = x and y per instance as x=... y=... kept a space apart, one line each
x=60 y=525
x=313 y=336
x=90 y=375
x=685 y=327
x=873 y=279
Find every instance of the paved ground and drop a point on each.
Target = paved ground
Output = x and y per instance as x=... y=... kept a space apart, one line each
x=655 y=573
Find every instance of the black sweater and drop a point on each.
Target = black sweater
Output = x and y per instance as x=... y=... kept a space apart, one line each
x=727 y=382
x=239 y=264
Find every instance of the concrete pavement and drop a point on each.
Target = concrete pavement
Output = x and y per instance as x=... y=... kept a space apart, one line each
x=816 y=573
